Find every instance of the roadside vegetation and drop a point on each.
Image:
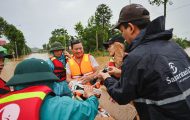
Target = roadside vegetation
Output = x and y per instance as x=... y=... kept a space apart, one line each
x=183 y=42
x=17 y=44
x=93 y=34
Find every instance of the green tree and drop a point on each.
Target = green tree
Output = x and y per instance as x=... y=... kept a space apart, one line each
x=87 y=34
x=183 y=42
x=79 y=30
x=103 y=15
x=3 y=24
x=44 y=46
x=61 y=36
x=15 y=36
x=97 y=29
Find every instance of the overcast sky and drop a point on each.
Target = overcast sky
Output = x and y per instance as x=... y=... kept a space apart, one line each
x=37 y=18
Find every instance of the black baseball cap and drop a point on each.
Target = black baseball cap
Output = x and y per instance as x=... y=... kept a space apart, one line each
x=4 y=55
x=132 y=12
x=116 y=38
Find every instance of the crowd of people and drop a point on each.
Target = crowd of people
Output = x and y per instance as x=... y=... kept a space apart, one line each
x=151 y=75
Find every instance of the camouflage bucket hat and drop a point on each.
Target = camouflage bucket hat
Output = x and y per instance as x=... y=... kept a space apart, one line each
x=56 y=46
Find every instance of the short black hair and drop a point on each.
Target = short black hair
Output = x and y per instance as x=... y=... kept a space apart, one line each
x=73 y=42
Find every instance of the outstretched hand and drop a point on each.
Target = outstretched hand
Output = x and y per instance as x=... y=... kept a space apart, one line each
x=88 y=91
x=114 y=71
x=85 y=79
x=102 y=76
x=67 y=54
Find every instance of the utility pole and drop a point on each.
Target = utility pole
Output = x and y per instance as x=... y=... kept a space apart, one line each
x=16 y=50
x=65 y=41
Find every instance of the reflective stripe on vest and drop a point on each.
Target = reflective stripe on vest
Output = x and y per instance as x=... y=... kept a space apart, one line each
x=23 y=104
x=84 y=68
x=20 y=96
x=165 y=101
x=59 y=69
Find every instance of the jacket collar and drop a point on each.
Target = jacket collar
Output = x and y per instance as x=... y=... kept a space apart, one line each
x=154 y=31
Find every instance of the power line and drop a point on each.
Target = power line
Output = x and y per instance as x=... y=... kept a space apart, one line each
x=171 y=10
x=174 y=9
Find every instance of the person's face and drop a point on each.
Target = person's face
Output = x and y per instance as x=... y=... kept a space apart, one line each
x=128 y=33
x=77 y=50
x=1 y=64
x=111 y=50
x=58 y=53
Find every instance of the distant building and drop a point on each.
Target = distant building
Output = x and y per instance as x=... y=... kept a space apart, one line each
x=2 y=42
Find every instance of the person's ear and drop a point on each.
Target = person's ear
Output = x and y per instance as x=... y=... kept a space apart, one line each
x=131 y=27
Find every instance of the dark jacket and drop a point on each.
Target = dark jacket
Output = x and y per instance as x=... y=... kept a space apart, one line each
x=156 y=75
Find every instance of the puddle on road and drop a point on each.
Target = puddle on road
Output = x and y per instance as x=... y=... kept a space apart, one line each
x=43 y=56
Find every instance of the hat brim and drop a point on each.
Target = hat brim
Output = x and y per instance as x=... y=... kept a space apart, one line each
x=106 y=45
x=32 y=78
x=3 y=55
x=116 y=26
x=54 y=49
x=8 y=56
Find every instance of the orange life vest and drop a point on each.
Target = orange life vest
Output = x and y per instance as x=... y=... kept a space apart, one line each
x=23 y=104
x=81 y=69
x=59 y=69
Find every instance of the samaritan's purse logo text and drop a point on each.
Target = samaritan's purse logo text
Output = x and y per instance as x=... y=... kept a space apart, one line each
x=182 y=76
x=172 y=67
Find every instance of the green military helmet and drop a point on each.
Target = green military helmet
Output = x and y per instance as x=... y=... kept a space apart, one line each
x=32 y=71
x=56 y=46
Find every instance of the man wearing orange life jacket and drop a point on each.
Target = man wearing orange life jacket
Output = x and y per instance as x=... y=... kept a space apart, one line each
x=33 y=98
x=57 y=62
x=81 y=66
x=3 y=88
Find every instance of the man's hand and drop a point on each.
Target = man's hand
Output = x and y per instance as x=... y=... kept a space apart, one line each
x=85 y=79
x=88 y=91
x=67 y=54
x=102 y=76
x=114 y=71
